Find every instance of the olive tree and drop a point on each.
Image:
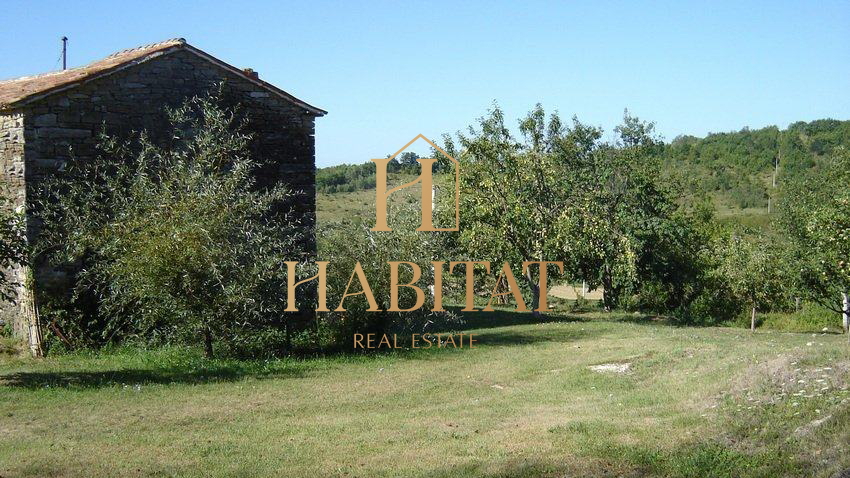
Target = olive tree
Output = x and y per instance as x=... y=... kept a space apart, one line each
x=177 y=239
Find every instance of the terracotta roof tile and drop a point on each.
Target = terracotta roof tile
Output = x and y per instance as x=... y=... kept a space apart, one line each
x=19 y=91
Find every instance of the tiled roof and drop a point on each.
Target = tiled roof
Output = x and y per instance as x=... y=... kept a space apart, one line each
x=20 y=91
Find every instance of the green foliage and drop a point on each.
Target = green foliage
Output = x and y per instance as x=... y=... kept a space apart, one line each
x=345 y=178
x=753 y=271
x=622 y=225
x=512 y=192
x=810 y=318
x=13 y=247
x=816 y=219
x=678 y=277
x=736 y=167
x=563 y=194
x=731 y=270
x=176 y=241
x=348 y=243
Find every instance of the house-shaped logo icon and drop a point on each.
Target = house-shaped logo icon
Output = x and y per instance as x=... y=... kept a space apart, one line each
x=426 y=179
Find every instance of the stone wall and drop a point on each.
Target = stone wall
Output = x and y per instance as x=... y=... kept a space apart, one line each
x=12 y=156
x=134 y=99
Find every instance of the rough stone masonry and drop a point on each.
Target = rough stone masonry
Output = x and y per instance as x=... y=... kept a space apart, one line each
x=44 y=119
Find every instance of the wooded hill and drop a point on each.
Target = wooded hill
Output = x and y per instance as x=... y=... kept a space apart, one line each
x=735 y=169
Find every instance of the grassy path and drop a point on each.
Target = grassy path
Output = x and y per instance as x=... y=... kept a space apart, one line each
x=707 y=402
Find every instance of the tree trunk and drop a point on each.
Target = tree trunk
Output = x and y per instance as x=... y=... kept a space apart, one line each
x=502 y=287
x=753 y=321
x=208 y=343
x=845 y=306
x=288 y=342
x=607 y=290
x=535 y=293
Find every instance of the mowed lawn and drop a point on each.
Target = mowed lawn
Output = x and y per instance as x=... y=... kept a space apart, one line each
x=669 y=402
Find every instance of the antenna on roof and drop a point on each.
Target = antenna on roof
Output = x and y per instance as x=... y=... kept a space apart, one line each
x=64 y=53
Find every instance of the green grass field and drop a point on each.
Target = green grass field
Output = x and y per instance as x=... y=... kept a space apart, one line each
x=668 y=402
x=361 y=204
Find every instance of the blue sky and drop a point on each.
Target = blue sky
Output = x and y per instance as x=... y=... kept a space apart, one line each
x=387 y=71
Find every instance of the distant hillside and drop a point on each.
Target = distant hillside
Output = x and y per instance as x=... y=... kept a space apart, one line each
x=347 y=178
x=734 y=169
x=737 y=168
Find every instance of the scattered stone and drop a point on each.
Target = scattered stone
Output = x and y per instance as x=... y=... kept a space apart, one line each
x=810 y=427
x=611 y=367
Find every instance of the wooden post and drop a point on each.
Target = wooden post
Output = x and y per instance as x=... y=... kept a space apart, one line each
x=431 y=288
x=778 y=159
x=29 y=309
x=753 y=321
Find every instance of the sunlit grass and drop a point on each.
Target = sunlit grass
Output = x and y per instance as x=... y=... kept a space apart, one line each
x=693 y=402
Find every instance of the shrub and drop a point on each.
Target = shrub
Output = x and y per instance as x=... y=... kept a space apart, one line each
x=346 y=244
x=176 y=242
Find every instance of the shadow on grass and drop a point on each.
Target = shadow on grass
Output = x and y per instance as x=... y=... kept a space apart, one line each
x=505 y=318
x=710 y=459
x=191 y=375
x=491 y=329
x=495 y=328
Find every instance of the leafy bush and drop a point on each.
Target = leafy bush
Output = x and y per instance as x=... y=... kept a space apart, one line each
x=175 y=242
x=346 y=244
x=810 y=318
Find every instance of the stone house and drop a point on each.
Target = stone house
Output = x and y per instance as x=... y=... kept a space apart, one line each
x=46 y=118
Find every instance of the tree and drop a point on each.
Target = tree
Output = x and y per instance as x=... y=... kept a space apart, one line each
x=177 y=240
x=816 y=218
x=408 y=159
x=563 y=194
x=511 y=192
x=753 y=272
x=619 y=215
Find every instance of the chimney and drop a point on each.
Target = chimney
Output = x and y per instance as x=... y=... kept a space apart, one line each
x=251 y=73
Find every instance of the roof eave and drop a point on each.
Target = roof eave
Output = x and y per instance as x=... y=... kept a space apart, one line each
x=68 y=86
x=317 y=112
x=262 y=84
